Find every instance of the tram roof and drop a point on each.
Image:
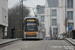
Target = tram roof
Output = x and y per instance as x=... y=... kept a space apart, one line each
x=30 y=17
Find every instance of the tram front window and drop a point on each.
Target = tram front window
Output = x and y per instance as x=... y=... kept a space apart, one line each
x=31 y=27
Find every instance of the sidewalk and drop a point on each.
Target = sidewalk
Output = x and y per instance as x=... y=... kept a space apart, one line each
x=72 y=41
x=4 y=41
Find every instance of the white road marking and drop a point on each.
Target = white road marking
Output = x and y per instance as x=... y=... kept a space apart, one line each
x=26 y=46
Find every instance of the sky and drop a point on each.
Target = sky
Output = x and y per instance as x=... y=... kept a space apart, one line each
x=28 y=3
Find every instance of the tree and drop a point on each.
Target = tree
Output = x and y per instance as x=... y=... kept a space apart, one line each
x=15 y=19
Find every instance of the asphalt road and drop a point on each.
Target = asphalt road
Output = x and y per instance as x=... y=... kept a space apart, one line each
x=40 y=45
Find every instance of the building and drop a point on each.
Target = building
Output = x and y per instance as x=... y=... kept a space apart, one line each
x=59 y=16
x=40 y=14
x=3 y=18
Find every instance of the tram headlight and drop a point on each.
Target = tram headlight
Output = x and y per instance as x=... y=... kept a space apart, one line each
x=36 y=32
x=24 y=32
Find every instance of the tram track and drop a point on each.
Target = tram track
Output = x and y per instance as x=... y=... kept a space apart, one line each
x=67 y=45
x=40 y=45
x=70 y=43
x=48 y=44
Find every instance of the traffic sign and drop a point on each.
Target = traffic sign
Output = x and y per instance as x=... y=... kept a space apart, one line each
x=70 y=27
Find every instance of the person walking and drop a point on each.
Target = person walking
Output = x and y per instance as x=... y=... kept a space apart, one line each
x=12 y=32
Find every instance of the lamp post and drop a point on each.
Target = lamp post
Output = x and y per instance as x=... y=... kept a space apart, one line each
x=50 y=24
x=21 y=9
x=22 y=18
x=65 y=18
x=21 y=13
x=17 y=13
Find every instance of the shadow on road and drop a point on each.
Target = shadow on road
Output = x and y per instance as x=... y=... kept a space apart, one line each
x=31 y=39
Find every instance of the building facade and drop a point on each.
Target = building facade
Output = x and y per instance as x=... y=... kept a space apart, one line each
x=40 y=14
x=3 y=18
x=59 y=16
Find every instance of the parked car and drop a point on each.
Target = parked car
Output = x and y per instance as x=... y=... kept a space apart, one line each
x=47 y=38
x=60 y=37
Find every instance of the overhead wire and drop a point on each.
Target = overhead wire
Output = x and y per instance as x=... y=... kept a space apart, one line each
x=32 y=3
x=33 y=11
x=34 y=6
x=38 y=2
x=42 y=7
x=46 y=7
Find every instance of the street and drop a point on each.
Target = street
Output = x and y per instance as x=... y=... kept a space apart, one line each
x=37 y=25
x=40 y=45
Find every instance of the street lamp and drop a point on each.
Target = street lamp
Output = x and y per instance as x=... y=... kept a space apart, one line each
x=17 y=13
x=50 y=24
x=21 y=13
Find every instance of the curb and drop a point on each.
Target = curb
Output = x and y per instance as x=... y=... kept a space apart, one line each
x=8 y=41
x=70 y=41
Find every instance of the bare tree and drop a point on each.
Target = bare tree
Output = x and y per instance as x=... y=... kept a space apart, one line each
x=15 y=19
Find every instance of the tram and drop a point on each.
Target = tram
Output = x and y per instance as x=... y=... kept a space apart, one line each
x=33 y=28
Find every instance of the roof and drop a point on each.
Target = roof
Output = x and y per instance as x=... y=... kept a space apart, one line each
x=31 y=17
x=40 y=9
x=52 y=3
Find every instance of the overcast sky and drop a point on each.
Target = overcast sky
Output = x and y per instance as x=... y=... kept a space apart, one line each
x=28 y=3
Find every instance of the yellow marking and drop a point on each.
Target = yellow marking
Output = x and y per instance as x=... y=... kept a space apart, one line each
x=27 y=20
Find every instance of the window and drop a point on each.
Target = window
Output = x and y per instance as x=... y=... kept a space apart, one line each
x=43 y=25
x=55 y=31
x=42 y=18
x=70 y=15
x=69 y=25
x=69 y=3
x=54 y=22
x=54 y=12
x=35 y=15
x=5 y=18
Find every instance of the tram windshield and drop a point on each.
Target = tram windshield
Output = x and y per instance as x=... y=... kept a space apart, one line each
x=31 y=25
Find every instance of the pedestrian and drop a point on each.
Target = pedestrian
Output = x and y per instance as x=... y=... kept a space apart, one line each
x=12 y=32
x=55 y=37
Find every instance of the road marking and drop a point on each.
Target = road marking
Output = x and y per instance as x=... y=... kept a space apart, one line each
x=48 y=44
x=64 y=45
x=29 y=45
x=33 y=43
x=26 y=46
